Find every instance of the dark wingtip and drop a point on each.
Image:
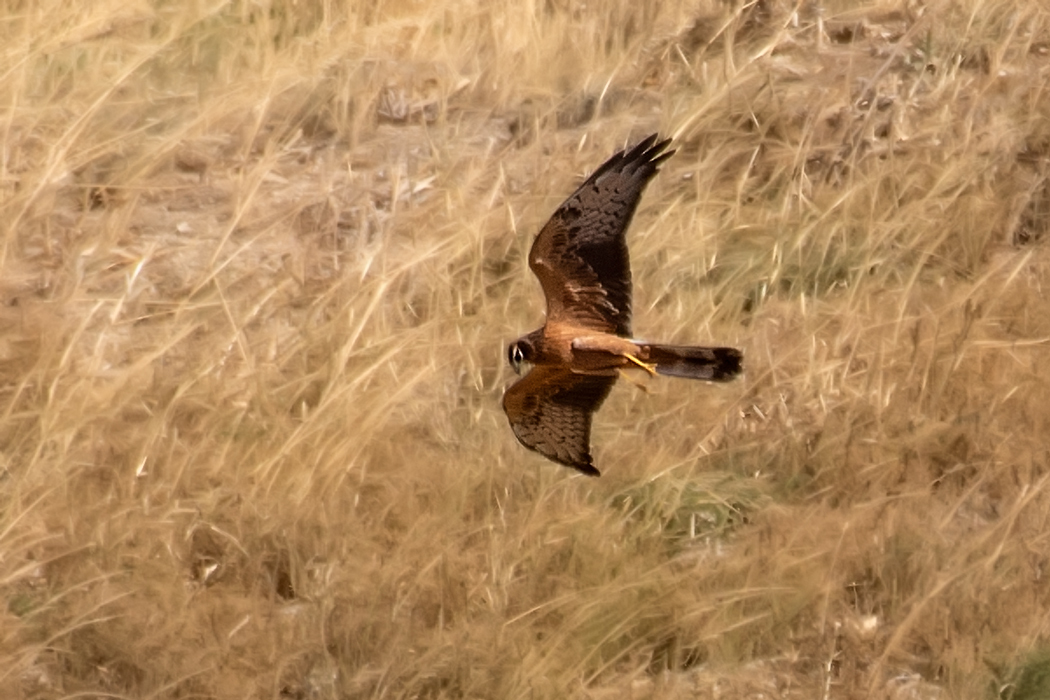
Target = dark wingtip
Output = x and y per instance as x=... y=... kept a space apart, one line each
x=587 y=468
x=645 y=155
x=648 y=151
x=584 y=465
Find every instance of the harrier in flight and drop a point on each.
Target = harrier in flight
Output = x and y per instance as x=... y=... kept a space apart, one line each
x=580 y=257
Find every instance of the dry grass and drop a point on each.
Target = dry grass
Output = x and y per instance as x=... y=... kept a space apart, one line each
x=259 y=263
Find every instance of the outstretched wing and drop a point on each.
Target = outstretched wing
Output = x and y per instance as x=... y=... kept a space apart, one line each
x=580 y=255
x=550 y=410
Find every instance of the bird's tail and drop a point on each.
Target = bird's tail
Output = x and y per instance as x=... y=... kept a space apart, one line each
x=712 y=364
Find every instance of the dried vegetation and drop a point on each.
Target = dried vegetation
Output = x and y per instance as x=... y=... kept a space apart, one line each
x=258 y=264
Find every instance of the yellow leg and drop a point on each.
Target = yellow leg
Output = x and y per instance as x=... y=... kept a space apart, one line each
x=651 y=369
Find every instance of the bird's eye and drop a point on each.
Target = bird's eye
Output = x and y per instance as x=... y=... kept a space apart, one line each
x=516 y=355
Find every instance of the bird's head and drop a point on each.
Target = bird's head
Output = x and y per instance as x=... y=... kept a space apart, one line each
x=519 y=352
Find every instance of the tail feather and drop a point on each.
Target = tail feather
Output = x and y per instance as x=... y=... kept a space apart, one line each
x=712 y=364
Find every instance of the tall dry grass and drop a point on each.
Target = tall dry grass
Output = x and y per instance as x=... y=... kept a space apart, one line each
x=259 y=264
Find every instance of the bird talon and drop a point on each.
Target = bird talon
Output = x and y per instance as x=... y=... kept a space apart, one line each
x=650 y=368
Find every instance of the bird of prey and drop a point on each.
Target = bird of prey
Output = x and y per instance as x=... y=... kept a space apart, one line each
x=580 y=257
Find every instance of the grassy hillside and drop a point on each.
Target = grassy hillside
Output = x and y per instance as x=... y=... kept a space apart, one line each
x=259 y=263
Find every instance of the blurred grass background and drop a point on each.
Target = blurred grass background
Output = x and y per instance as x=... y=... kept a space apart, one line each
x=259 y=265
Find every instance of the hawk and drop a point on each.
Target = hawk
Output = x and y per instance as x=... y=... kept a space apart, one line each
x=580 y=257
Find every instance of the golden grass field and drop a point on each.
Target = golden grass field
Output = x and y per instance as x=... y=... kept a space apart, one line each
x=259 y=265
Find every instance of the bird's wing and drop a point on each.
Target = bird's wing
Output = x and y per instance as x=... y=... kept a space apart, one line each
x=580 y=255
x=550 y=410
